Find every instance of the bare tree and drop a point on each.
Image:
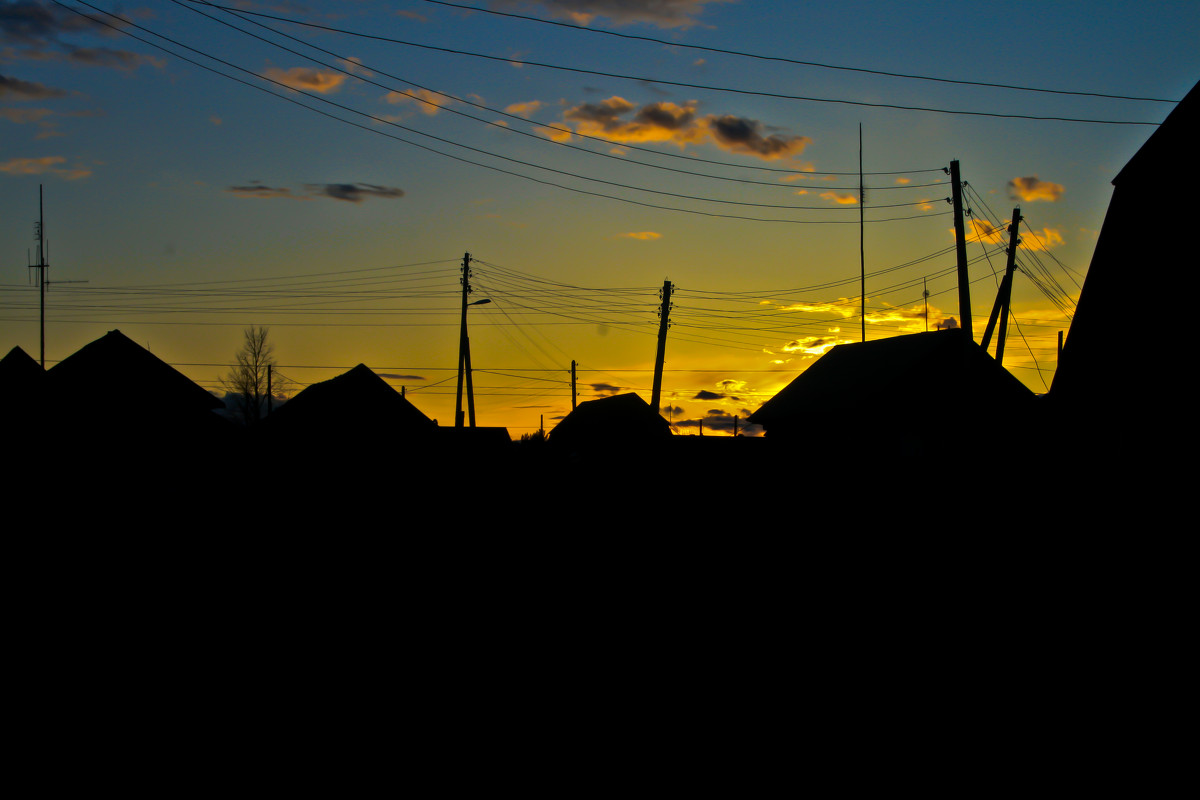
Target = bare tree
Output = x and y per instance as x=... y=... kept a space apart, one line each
x=247 y=381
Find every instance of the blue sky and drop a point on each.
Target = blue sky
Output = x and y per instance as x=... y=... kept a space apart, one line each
x=195 y=205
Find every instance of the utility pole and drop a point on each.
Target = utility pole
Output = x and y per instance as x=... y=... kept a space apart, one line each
x=574 y=386
x=960 y=242
x=270 y=396
x=1004 y=295
x=664 y=322
x=462 y=340
x=862 y=224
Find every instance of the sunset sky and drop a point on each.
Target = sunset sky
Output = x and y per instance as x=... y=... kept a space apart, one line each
x=320 y=168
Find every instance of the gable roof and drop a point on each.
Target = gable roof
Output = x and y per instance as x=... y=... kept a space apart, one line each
x=358 y=397
x=19 y=370
x=620 y=417
x=889 y=376
x=114 y=368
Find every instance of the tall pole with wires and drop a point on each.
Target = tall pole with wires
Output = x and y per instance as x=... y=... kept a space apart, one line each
x=462 y=340
x=960 y=244
x=660 y=357
x=862 y=224
x=41 y=267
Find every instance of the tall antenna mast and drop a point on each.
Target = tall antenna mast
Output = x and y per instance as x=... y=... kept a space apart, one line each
x=43 y=282
x=41 y=268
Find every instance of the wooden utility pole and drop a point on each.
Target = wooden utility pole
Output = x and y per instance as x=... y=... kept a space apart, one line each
x=664 y=322
x=462 y=340
x=574 y=386
x=1013 y=241
x=960 y=243
x=270 y=396
x=1004 y=295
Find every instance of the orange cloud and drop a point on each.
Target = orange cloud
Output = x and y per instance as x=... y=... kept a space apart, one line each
x=982 y=231
x=430 y=102
x=841 y=198
x=1041 y=240
x=903 y=181
x=524 y=109
x=643 y=235
x=556 y=132
x=618 y=119
x=1031 y=189
x=313 y=80
x=661 y=13
x=44 y=165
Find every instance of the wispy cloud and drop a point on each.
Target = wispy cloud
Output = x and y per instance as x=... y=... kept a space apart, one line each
x=37 y=30
x=256 y=189
x=348 y=192
x=660 y=13
x=1031 y=189
x=42 y=166
x=618 y=119
x=353 y=192
x=524 y=109
x=642 y=235
x=17 y=89
x=305 y=78
x=429 y=102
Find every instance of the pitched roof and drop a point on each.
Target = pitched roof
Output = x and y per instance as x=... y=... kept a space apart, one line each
x=1143 y=233
x=18 y=370
x=356 y=396
x=622 y=416
x=114 y=368
x=888 y=375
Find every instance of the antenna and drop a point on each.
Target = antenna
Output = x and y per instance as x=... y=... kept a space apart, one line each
x=39 y=235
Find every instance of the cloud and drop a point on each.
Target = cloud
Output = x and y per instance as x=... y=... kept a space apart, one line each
x=903 y=181
x=983 y=231
x=37 y=23
x=395 y=377
x=353 y=192
x=256 y=189
x=1041 y=240
x=555 y=132
x=841 y=198
x=349 y=192
x=315 y=80
x=642 y=235
x=39 y=27
x=742 y=135
x=524 y=109
x=42 y=166
x=617 y=119
x=23 y=116
x=429 y=102
x=17 y=89
x=108 y=57
x=704 y=394
x=661 y=13
x=606 y=388
x=1031 y=189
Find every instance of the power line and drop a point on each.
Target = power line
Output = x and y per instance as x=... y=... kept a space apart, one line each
x=682 y=84
x=786 y=60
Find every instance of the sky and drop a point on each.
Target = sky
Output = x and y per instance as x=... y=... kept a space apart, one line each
x=321 y=168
